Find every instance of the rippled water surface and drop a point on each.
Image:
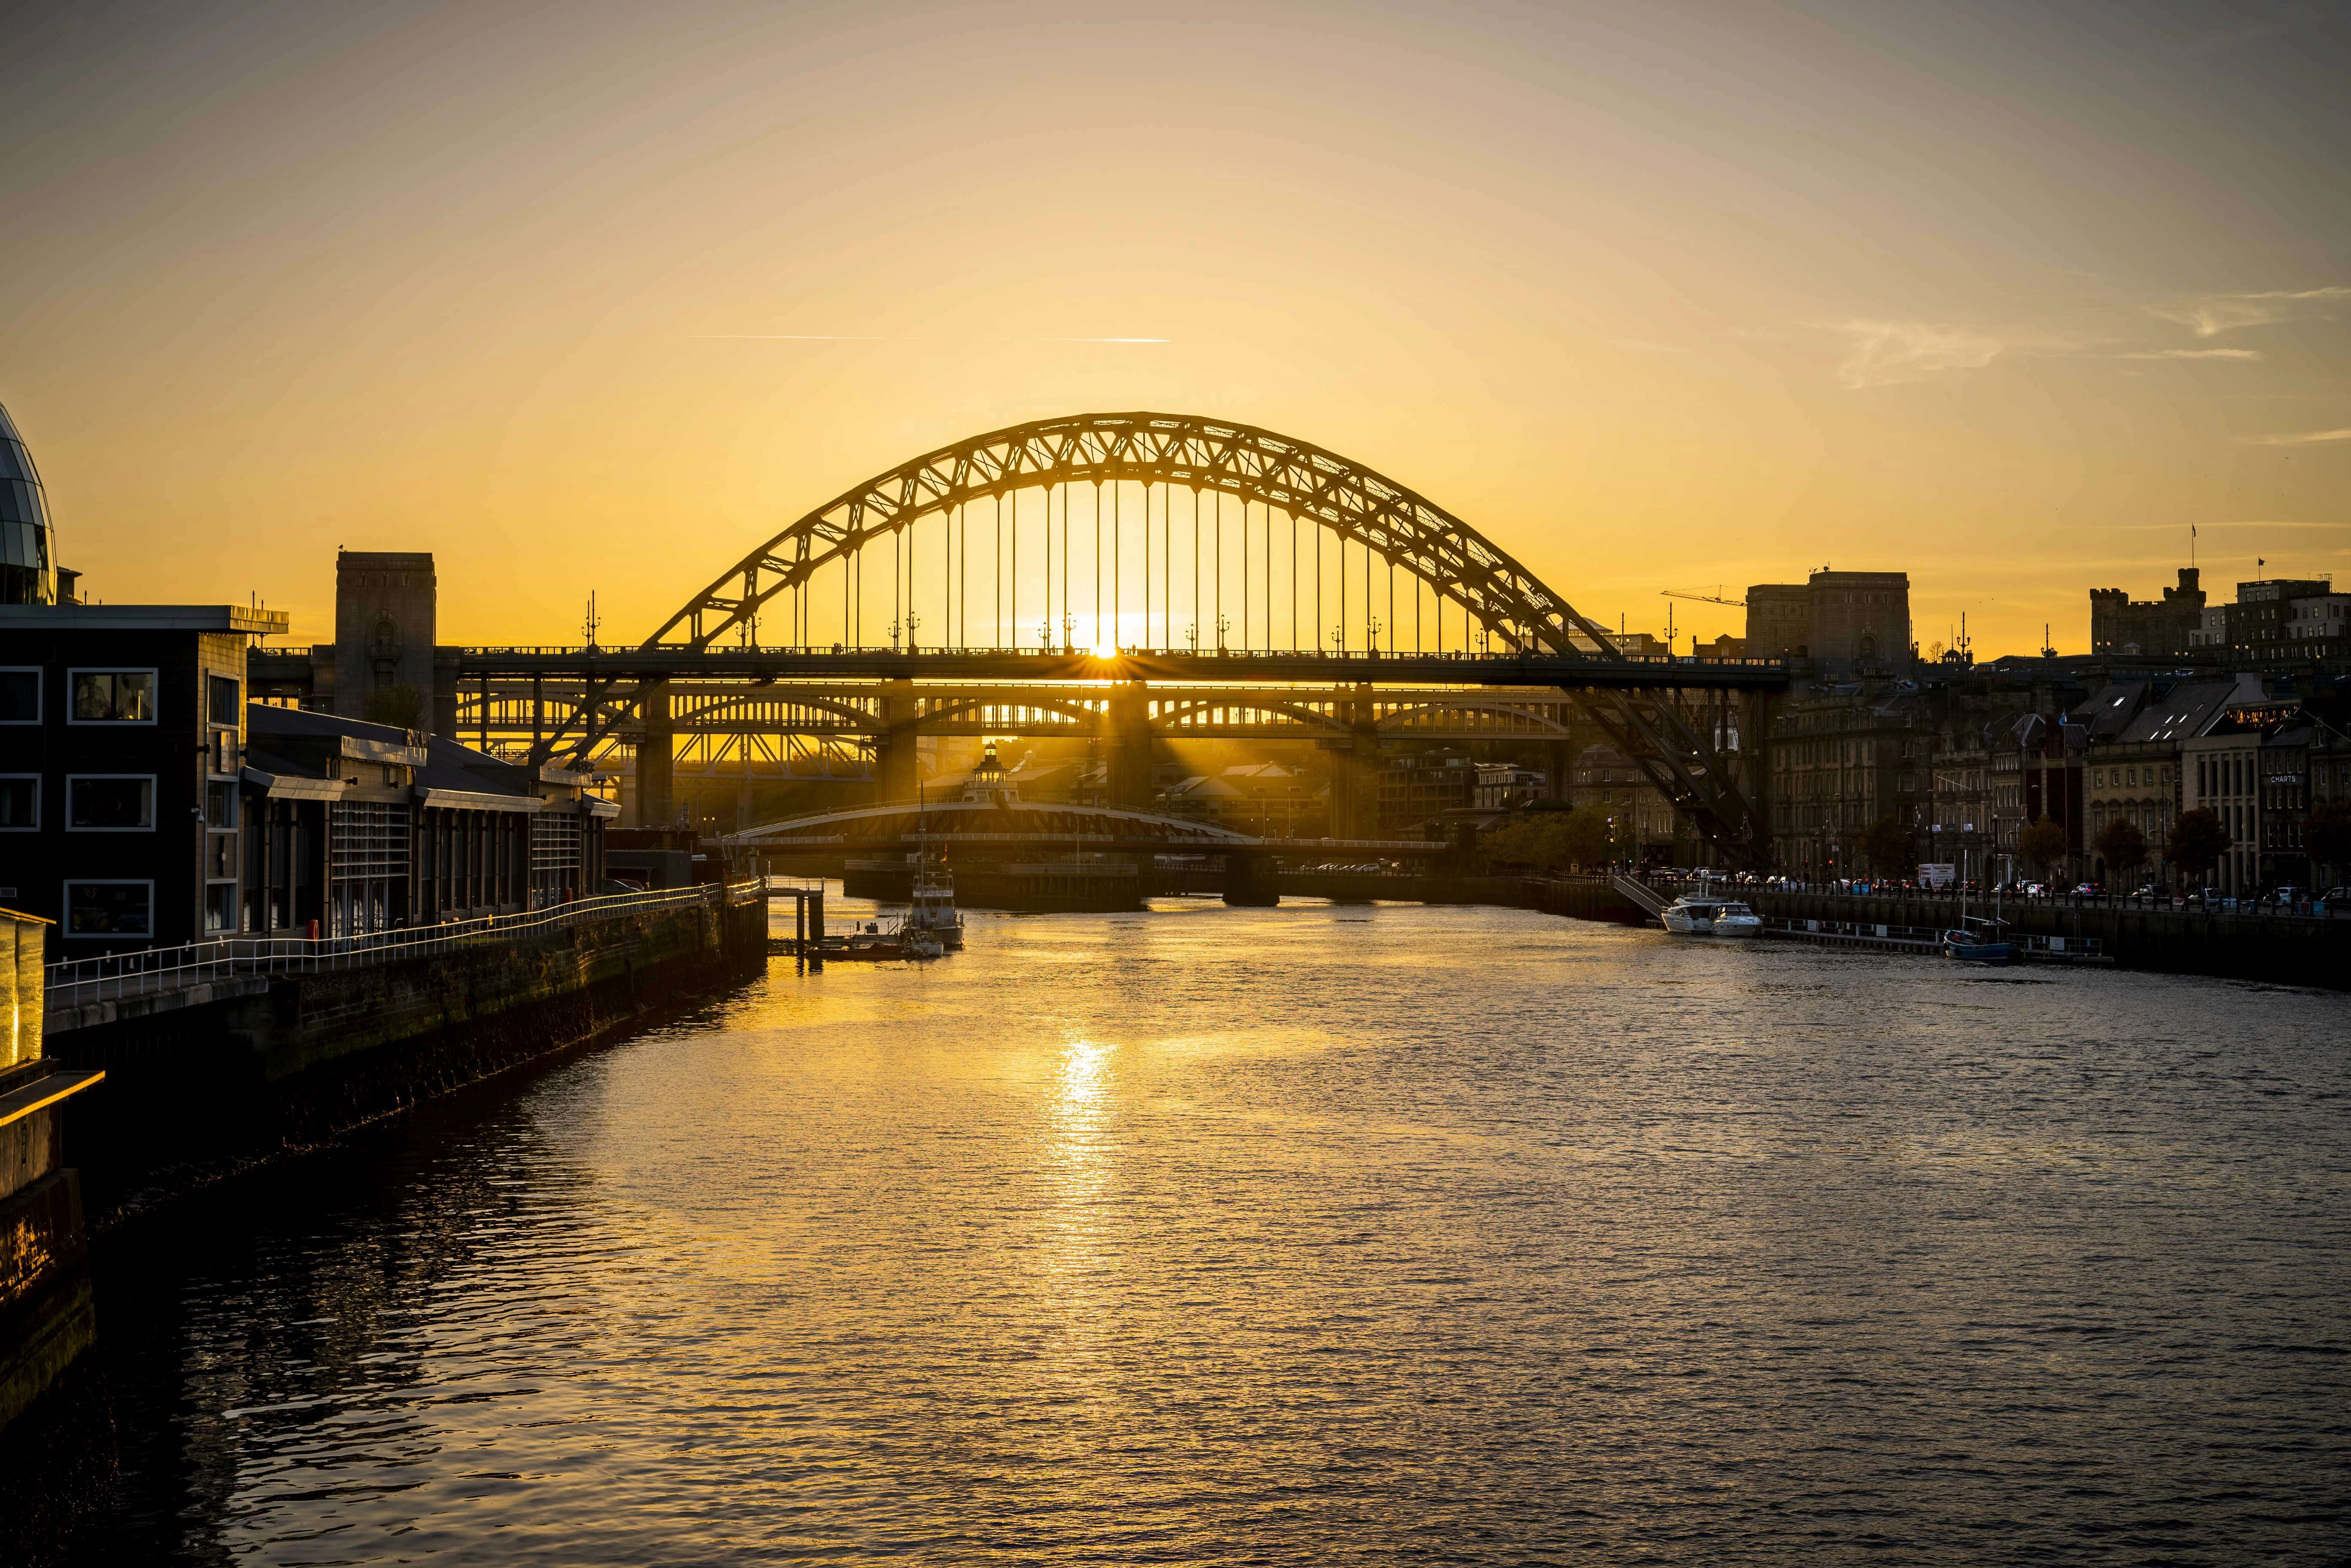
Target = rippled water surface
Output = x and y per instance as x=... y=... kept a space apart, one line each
x=1311 y=1235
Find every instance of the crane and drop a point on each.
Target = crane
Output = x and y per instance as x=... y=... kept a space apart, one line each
x=1714 y=598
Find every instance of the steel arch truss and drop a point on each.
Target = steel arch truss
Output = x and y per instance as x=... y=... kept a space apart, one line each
x=1356 y=503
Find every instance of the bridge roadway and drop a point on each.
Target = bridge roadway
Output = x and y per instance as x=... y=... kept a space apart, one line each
x=675 y=663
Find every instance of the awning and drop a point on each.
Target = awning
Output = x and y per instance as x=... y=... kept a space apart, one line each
x=295 y=786
x=472 y=801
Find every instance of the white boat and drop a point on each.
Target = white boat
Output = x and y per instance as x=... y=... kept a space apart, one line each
x=1703 y=915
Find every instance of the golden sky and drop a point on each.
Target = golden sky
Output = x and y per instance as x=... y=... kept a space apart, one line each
x=2005 y=295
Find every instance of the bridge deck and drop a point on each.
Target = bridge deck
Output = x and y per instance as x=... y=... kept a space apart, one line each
x=1232 y=666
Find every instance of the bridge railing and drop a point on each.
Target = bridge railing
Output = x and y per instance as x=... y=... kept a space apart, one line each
x=80 y=982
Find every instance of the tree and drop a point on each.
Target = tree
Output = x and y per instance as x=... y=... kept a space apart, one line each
x=2123 y=847
x=2197 y=842
x=1584 y=838
x=2326 y=833
x=1886 y=844
x=2043 y=843
x=399 y=706
x=1552 y=839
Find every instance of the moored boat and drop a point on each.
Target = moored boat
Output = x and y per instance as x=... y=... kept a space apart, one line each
x=1702 y=914
x=933 y=910
x=1982 y=944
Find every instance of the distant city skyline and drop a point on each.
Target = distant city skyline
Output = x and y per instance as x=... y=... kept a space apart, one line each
x=594 y=300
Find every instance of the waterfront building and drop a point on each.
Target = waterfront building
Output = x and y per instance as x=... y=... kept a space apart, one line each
x=123 y=732
x=1604 y=781
x=363 y=826
x=145 y=801
x=2219 y=771
x=1844 y=756
x=1502 y=786
x=2134 y=774
x=1413 y=790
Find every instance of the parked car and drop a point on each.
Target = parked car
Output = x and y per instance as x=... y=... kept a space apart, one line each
x=2090 y=889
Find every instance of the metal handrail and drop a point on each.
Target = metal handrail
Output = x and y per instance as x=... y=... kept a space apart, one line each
x=79 y=982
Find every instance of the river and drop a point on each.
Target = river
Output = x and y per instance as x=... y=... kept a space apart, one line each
x=1328 y=1234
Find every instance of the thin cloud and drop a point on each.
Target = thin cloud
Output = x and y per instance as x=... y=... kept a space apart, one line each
x=2219 y=313
x=1885 y=353
x=851 y=337
x=2296 y=438
x=2195 y=354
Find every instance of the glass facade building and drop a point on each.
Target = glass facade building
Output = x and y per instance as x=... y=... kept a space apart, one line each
x=28 y=561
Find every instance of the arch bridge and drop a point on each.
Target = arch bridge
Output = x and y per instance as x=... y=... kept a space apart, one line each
x=1124 y=577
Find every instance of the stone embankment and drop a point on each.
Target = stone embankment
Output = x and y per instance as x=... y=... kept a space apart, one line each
x=254 y=1067
x=2295 y=950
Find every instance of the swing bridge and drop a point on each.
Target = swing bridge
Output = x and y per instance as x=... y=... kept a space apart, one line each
x=1123 y=579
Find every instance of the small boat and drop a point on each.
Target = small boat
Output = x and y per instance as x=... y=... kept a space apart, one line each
x=1703 y=915
x=880 y=941
x=1981 y=946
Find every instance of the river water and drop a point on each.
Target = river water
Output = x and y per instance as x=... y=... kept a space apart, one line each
x=1327 y=1234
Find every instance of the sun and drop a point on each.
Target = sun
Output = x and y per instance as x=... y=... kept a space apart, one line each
x=1105 y=651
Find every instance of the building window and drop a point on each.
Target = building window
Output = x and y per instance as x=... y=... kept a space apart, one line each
x=109 y=908
x=222 y=762
x=220 y=699
x=220 y=907
x=114 y=697
x=20 y=696
x=109 y=802
x=220 y=807
x=20 y=803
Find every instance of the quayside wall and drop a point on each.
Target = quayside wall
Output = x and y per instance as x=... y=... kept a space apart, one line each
x=248 y=1066
x=2283 y=950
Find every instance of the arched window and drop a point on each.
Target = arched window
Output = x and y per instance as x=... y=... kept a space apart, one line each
x=1868 y=646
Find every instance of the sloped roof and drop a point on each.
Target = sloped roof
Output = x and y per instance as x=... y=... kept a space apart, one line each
x=2184 y=713
x=2110 y=712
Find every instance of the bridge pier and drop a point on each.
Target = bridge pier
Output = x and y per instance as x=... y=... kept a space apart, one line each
x=1128 y=751
x=1249 y=882
x=1356 y=772
x=897 y=772
x=656 y=758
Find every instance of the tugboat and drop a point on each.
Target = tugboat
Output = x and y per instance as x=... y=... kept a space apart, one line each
x=934 y=912
x=1703 y=915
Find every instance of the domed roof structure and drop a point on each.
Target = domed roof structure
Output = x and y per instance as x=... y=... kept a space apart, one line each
x=28 y=556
